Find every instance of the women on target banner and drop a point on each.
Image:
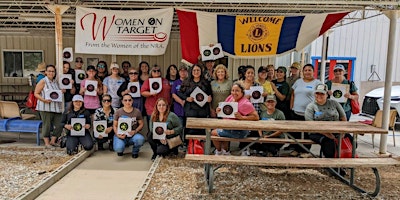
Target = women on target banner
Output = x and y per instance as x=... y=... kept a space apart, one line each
x=144 y=32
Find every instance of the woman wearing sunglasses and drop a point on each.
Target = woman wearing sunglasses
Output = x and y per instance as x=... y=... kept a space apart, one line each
x=106 y=112
x=102 y=70
x=123 y=89
x=151 y=98
x=133 y=137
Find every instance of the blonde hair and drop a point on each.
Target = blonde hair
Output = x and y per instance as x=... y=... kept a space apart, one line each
x=218 y=67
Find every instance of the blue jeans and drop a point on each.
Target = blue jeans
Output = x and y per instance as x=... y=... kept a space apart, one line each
x=137 y=141
x=232 y=133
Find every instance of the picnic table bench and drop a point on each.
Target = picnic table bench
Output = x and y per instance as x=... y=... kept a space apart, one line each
x=340 y=127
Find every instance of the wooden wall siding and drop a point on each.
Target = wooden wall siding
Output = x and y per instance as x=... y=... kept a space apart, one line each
x=47 y=44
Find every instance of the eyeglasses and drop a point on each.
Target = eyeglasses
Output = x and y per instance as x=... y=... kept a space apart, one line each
x=133 y=73
x=156 y=70
x=101 y=66
x=106 y=100
x=127 y=100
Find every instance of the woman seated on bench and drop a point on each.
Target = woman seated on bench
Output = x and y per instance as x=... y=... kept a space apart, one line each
x=271 y=113
x=324 y=109
x=246 y=111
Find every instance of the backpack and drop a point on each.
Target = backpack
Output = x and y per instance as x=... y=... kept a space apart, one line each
x=195 y=147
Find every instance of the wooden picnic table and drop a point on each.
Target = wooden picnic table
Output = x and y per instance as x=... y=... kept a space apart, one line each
x=340 y=127
x=285 y=126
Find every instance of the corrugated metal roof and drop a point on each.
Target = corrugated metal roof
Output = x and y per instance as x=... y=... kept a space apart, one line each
x=33 y=17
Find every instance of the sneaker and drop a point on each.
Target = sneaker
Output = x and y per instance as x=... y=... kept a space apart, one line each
x=246 y=153
x=135 y=155
x=120 y=153
x=218 y=153
x=225 y=153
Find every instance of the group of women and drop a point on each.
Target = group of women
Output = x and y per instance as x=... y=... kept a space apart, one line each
x=285 y=99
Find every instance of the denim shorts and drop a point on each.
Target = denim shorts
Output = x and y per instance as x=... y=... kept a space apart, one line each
x=232 y=133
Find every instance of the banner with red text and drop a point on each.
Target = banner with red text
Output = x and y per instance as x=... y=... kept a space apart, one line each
x=144 y=32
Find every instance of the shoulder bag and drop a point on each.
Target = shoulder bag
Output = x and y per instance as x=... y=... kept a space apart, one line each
x=174 y=142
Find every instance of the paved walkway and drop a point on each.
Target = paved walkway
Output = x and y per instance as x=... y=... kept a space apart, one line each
x=104 y=175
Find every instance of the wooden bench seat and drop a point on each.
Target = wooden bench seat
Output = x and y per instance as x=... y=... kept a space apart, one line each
x=293 y=162
x=252 y=139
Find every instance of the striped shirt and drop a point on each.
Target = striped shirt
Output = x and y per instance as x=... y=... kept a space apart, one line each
x=52 y=106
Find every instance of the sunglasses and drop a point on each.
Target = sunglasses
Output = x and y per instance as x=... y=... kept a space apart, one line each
x=133 y=73
x=127 y=100
x=101 y=66
x=156 y=70
x=106 y=100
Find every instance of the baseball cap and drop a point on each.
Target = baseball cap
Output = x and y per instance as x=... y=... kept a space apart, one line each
x=77 y=97
x=282 y=68
x=262 y=69
x=339 y=66
x=90 y=67
x=271 y=98
x=321 y=88
x=114 y=65
x=295 y=65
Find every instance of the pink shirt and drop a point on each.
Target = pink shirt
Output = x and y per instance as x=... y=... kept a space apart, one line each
x=245 y=107
x=91 y=102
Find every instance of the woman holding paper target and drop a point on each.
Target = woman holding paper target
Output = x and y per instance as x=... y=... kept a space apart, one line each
x=105 y=113
x=69 y=93
x=92 y=102
x=351 y=94
x=174 y=127
x=127 y=123
x=248 y=82
x=246 y=111
x=153 y=88
x=220 y=86
x=50 y=109
x=132 y=87
x=74 y=120
x=200 y=106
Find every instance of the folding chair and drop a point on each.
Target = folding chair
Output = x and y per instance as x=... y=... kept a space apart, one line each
x=377 y=122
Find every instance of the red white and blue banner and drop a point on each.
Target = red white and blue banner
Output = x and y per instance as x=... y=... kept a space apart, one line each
x=144 y=32
x=250 y=36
